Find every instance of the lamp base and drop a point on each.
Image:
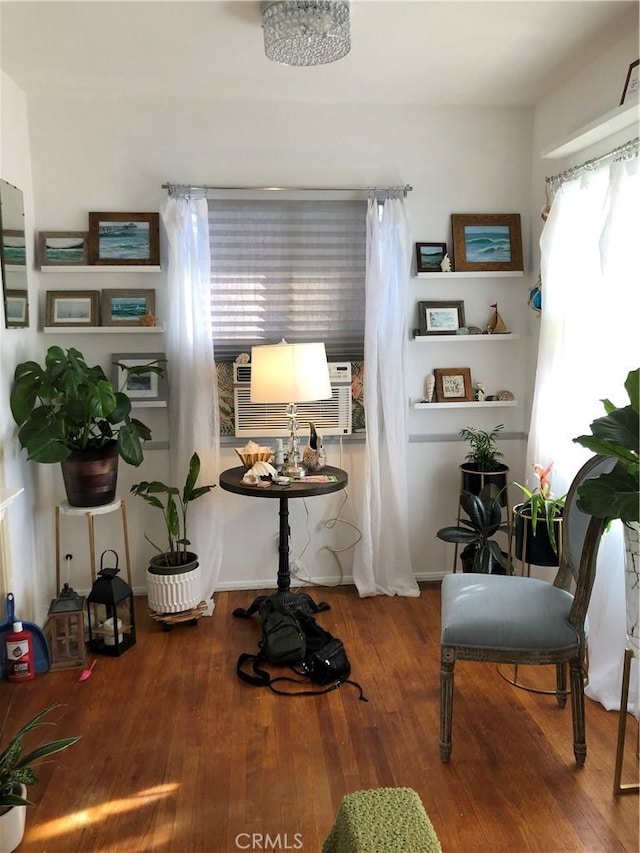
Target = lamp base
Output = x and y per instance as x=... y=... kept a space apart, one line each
x=296 y=472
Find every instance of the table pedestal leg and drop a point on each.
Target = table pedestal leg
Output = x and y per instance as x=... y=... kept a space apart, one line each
x=299 y=601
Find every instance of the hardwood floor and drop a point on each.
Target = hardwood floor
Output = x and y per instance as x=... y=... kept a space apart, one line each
x=177 y=754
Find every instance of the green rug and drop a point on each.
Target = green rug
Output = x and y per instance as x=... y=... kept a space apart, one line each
x=382 y=820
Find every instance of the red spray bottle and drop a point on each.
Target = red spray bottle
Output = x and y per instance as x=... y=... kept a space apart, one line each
x=19 y=650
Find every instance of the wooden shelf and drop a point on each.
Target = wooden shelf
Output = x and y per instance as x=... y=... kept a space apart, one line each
x=483 y=274
x=65 y=268
x=612 y=122
x=103 y=330
x=151 y=404
x=510 y=336
x=487 y=404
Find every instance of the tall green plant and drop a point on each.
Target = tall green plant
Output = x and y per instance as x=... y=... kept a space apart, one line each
x=616 y=435
x=476 y=532
x=484 y=449
x=65 y=405
x=174 y=510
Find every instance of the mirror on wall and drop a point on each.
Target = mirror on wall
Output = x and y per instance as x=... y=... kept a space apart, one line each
x=13 y=257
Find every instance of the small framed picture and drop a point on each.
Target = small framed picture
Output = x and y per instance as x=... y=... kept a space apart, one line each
x=632 y=83
x=127 y=307
x=72 y=307
x=68 y=248
x=453 y=384
x=429 y=256
x=440 y=318
x=124 y=238
x=487 y=241
x=14 y=247
x=140 y=384
x=16 y=307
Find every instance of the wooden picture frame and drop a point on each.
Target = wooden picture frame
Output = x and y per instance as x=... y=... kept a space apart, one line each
x=16 y=309
x=442 y=317
x=63 y=248
x=72 y=307
x=487 y=242
x=453 y=384
x=632 y=83
x=131 y=239
x=127 y=307
x=429 y=256
x=149 y=387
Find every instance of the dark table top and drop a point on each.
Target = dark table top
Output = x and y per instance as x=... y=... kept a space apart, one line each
x=231 y=481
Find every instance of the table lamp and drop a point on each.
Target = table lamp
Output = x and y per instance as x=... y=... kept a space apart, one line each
x=290 y=374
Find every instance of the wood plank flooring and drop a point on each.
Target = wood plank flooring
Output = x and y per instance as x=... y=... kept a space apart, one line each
x=177 y=754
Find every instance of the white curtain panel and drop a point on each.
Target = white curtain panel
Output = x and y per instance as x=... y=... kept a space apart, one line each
x=382 y=562
x=588 y=344
x=194 y=420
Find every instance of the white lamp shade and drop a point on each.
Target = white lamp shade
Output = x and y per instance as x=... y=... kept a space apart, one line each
x=289 y=373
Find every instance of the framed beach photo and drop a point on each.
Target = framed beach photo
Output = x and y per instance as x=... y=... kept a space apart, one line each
x=440 y=317
x=487 y=242
x=429 y=256
x=63 y=248
x=124 y=238
x=14 y=247
x=127 y=307
x=16 y=308
x=142 y=385
x=72 y=307
x=453 y=384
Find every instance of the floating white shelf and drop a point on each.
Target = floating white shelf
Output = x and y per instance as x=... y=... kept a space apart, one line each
x=99 y=268
x=510 y=336
x=151 y=404
x=612 y=122
x=487 y=404
x=103 y=330
x=483 y=274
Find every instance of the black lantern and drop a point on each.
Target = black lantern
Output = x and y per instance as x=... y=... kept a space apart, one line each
x=66 y=630
x=112 y=628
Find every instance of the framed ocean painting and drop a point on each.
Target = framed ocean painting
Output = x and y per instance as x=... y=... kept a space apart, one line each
x=429 y=256
x=487 y=242
x=67 y=248
x=124 y=238
x=127 y=307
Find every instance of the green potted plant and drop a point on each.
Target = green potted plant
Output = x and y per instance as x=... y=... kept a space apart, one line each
x=482 y=463
x=69 y=412
x=616 y=435
x=537 y=521
x=16 y=772
x=168 y=588
x=481 y=553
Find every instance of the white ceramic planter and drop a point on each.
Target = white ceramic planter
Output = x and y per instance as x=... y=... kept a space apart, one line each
x=173 y=593
x=632 y=582
x=12 y=825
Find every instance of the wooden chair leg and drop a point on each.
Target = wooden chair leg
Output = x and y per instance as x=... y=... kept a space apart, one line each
x=446 y=702
x=577 y=711
x=618 y=786
x=561 y=684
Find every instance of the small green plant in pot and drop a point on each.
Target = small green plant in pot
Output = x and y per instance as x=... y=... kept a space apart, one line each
x=16 y=772
x=481 y=553
x=482 y=465
x=537 y=521
x=70 y=412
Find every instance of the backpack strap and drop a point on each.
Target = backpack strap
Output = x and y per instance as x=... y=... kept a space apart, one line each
x=261 y=678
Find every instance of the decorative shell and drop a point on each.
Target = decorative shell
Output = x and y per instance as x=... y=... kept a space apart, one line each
x=252 y=453
x=505 y=395
x=259 y=470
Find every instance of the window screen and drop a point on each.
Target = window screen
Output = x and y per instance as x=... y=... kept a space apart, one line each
x=287 y=269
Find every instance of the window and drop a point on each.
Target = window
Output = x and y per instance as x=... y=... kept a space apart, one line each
x=291 y=269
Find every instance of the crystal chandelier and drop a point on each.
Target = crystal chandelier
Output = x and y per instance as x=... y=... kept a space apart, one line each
x=306 y=32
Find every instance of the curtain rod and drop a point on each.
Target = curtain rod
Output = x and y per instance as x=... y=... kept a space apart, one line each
x=626 y=150
x=184 y=188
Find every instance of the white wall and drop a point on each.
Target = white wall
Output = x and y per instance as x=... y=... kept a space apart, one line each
x=108 y=154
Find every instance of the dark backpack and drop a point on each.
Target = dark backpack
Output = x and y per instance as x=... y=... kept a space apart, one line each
x=283 y=640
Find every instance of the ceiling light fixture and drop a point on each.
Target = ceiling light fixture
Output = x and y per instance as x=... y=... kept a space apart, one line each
x=306 y=32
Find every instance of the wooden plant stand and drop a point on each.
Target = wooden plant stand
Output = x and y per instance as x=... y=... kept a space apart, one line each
x=191 y=616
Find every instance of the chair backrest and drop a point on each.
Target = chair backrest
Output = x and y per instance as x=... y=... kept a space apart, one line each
x=581 y=534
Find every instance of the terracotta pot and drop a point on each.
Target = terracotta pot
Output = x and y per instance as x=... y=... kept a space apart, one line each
x=473 y=479
x=91 y=476
x=535 y=550
x=12 y=824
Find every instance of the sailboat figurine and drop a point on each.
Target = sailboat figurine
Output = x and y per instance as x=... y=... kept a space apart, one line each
x=496 y=325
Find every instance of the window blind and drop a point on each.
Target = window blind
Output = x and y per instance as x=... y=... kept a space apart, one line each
x=291 y=269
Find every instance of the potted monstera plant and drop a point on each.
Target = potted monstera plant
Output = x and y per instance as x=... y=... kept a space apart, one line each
x=71 y=413
x=481 y=552
x=173 y=578
x=16 y=772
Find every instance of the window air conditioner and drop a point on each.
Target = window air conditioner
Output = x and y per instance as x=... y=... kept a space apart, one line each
x=331 y=417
